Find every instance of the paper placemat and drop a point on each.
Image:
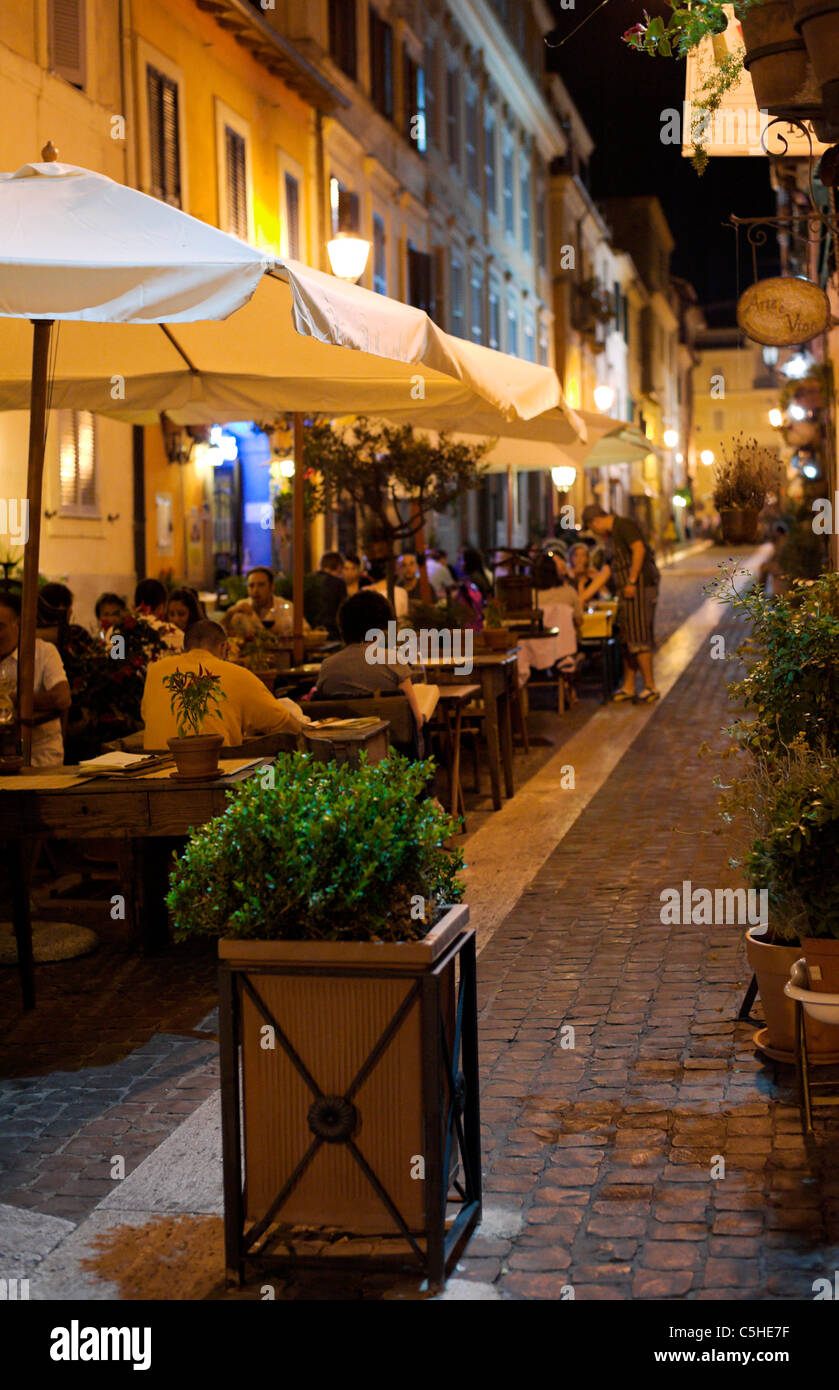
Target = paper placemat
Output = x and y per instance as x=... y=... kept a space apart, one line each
x=226 y=767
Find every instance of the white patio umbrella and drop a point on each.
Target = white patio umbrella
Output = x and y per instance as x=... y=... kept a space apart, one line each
x=133 y=286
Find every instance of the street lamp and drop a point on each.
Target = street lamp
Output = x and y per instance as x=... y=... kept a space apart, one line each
x=671 y=439
x=563 y=477
x=348 y=256
x=707 y=457
x=604 y=398
x=776 y=418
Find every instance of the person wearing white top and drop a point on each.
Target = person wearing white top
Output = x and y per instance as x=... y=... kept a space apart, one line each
x=52 y=689
x=401 y=602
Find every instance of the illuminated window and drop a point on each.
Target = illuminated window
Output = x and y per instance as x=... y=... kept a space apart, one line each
x=476 y=304
x=490 y=161
x=495 y=317
x=77 y=481
x=453 y=116
x=509 y=191
x=473 y=179
x=379 y=255
x=457 y=299
x=526 y=210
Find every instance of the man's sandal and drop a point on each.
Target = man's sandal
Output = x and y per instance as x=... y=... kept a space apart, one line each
x=647 y=697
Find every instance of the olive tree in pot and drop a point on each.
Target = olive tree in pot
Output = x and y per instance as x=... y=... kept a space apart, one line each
x=741 y=483
x=347 y=979
x=191 y=696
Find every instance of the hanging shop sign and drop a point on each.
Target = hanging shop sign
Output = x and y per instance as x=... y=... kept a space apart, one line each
x=783 y=311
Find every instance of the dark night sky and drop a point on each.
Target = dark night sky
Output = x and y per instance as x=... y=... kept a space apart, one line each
x=620 y=95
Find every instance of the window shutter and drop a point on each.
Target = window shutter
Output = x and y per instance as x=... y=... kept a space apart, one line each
x=77 y=463
x=67 y=40
x=292 y=212
x=237 y=184
x=164 y=137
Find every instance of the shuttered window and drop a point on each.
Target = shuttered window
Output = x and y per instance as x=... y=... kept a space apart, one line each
x=342 y=36
x=164 y=137
x=379 y=255
x=419 y=279
x=381 y=64
x=66 y=29
x=292 y=216
x=236 y=174
x=453 y=116
x=431 y=92
x=77 y=491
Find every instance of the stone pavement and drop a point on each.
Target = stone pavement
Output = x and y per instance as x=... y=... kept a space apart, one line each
x=659 y=1156
x=598 y=1157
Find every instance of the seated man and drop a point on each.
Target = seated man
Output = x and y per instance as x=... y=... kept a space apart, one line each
x=261 y=609
x=359 y=669
x=52 y=689
x=248 y=708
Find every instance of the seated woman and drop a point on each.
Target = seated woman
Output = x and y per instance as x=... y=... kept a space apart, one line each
x=550 y=577
x=184 y=608
x=587 y=578
x=358 y=671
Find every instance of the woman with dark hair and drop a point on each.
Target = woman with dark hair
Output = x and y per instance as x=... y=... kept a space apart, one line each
x=472 y=567
x=552 y=588
x=75 y=647
x=362 y=667
x=184 y=608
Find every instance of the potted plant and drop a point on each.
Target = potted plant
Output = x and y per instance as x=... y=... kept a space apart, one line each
x=191 y=695
x=785 y=788
x=791 y=800
x=773 y=53
x=741 y=482
x=347 y=998
x=495 y=635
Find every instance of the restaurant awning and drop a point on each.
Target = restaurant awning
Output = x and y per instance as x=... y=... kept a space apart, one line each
x=134 y=284
x=125 y=293
x=583 y=439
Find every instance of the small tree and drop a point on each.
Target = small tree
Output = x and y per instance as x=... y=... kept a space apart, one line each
x=396 y=478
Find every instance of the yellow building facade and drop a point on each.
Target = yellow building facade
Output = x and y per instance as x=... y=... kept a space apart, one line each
x=734 y=391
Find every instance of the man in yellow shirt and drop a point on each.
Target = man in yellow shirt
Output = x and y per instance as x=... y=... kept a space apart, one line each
x=248 y=709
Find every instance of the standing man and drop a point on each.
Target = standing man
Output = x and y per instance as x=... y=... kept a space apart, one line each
x=52 y=689
x=636 y=584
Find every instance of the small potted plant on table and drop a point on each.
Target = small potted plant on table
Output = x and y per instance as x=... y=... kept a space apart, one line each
x=192 y=694
x=348 y=1010
x=741 y=483
x=495 y=636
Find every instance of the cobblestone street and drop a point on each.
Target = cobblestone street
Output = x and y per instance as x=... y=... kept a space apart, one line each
x=635 y=1144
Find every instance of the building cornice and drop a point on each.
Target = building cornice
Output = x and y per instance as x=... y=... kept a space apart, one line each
x=277 y=54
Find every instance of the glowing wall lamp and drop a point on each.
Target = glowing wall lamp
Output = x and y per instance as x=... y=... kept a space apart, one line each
x=671 y=439
x=348 y=256
x=604 y=398
x=707 y=457
x=776 y=418
x=563 y=477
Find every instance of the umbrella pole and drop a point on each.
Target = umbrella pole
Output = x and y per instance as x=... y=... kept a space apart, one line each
x=34 y=487
x=298 y=524
x=509 y=506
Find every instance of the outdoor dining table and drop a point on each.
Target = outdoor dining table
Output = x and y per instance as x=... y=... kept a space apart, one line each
x=598 y=632
x=452 y=701
x=142 y=812
x=497 y=674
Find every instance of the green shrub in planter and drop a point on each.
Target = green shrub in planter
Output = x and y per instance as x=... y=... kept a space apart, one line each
x=327 y=853
x=791 y=659
x=791 y=802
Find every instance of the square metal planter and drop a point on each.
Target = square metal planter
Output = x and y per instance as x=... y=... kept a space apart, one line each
x=350 y=1108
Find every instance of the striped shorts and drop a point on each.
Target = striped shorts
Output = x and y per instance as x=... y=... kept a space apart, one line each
x=636 y=618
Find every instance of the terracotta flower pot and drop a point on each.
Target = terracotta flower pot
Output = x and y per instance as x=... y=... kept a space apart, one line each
x=197 y=757
x=817 y=22
x=777 y=60
x=772 y=964
x=822 y=957
x=739 y=525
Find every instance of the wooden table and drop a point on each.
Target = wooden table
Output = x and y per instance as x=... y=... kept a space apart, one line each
x=144 y=813
x=495 y=671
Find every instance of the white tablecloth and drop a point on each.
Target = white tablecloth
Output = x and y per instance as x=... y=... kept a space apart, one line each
x=538 y=653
